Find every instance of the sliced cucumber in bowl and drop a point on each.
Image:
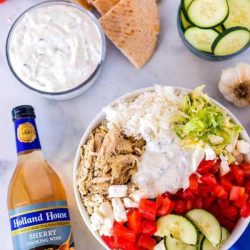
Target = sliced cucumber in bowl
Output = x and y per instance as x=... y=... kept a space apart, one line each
x=206 y=245
x=201 y=238
x=207 y=224
x=207 y=13
x=239 y=14
x=220 y=28
x=201 y=39
x=178 y=227
x=231 y=41
x=184 y=23
x=224 y=235
x=184 y=6
x=173 y=244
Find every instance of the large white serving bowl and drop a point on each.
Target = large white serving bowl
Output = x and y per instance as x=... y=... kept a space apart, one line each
x=242 y=223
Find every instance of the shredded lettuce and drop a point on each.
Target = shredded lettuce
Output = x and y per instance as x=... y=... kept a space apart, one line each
x=199 y=120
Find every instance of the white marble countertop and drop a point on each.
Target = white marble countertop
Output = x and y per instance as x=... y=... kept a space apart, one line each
x=61 y=124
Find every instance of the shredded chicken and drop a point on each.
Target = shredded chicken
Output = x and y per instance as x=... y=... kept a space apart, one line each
x=108 y=158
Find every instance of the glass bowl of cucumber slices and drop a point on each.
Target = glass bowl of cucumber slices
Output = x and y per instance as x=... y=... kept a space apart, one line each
x=215 y=29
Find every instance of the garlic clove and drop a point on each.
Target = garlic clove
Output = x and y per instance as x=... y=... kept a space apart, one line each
x=235 y=84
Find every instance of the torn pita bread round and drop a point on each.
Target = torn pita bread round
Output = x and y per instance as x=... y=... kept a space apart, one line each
x=133 y=26
x=85 y=3
x=103 y=6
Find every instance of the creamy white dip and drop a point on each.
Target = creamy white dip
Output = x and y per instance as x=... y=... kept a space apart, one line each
x=166 y=169
x=165 y=165
x=55 y=48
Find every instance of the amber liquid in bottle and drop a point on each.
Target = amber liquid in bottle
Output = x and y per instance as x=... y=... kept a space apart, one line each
x=34 y=181
x=36 y=197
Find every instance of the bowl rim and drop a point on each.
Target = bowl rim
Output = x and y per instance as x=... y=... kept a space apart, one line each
x=241 y=224
x=201 y=53
x=69 y=4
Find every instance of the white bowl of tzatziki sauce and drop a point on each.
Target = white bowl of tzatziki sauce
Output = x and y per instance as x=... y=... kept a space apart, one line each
x=56 y=49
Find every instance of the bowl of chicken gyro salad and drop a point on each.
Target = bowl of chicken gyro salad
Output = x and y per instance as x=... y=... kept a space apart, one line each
x=164 y=168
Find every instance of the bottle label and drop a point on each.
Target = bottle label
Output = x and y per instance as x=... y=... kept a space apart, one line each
x=41 y=226
x=26 y=135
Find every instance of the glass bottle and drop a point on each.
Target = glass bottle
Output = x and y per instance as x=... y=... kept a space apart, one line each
x=37 y=202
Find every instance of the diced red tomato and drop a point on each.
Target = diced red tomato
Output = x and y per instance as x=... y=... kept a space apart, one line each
x=193 y=182
x=3 y=1
x=204 y=189
x=198 y=203
x=159 y=200
x=134 y=221
x=208 y=201
x=179 y=193
x=215 y=168
x=238 y=174
x=215 y=210
x=146 y=242
x=110 y=242
x=246 y=168
x=148 y=227
x=147 y=209
x=236 y=192
x=228 y=209
x=220 y=192
x=121 y=232
x=205 y=166
x=123 y=244
x=231 y=212
x=189 y=204
x=226 y=223
x=247 y=185
x=167 y=195
x=187 y=194
x=166 y=207
x=223 y=203
x=209 y=179
x=245 y=211
x=180 y=207
x=226 y=182
x=242 y=200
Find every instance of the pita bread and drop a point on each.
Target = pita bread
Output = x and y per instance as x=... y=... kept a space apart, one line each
x=85 y=3
x=103 y=6
x=133 y=26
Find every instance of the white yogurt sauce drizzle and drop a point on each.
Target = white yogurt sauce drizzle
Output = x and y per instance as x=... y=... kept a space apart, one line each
x=166 y=168
x=54 y=48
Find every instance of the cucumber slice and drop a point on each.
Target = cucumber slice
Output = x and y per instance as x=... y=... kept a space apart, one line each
x=184 y=23
x=160 y=246
x=177 y=226
x=207 y=224
x=224 y=235
x=184 y=6
x=206 y=245
x=219 y=29
x=231 y=41
x=172 y=244
x=200 y=240
x=208 y=13
x=239 y=14
x=201 y=39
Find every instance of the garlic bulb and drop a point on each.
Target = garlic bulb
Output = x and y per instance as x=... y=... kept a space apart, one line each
x=235 y=84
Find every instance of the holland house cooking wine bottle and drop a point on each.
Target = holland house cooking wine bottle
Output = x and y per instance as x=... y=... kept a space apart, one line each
x=38 y=211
